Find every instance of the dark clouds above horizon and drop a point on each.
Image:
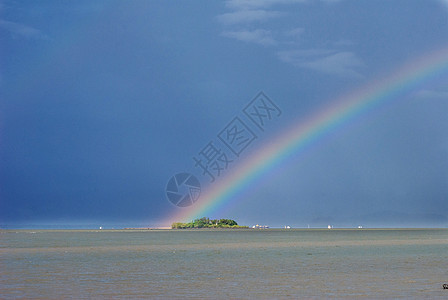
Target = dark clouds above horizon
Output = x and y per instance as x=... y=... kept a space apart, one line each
x=101 y=102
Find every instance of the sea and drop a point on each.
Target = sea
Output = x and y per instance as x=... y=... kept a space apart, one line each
x=224 y=264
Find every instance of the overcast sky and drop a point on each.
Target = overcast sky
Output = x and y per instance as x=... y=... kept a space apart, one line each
x=101 y=102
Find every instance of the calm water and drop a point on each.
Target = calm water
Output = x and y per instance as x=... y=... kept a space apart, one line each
x=224 y=264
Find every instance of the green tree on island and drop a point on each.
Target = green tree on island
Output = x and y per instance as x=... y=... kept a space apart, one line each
x=207 y=223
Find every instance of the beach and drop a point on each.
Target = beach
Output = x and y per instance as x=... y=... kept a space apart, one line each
x=220 y=263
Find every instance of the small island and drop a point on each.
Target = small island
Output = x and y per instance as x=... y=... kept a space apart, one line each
x=207 y=223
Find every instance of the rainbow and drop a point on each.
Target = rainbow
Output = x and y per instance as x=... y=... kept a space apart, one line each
x=303 y=133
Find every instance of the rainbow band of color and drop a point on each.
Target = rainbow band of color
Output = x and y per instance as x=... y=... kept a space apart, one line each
x=297 y=137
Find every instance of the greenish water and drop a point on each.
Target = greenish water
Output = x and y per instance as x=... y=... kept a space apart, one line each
x=224 y=264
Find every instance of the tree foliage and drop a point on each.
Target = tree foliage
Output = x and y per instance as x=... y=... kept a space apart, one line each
x=207 y=223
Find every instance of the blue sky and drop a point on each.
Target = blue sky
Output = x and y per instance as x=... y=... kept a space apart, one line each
x=101 y=102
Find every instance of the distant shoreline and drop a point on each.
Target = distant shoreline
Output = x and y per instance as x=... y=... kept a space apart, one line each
x=221 y=229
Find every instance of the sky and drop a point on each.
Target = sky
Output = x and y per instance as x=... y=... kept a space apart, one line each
x=103 y=102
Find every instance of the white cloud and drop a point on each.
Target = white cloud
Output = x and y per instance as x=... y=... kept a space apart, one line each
x=298 y=57
x=343 y=43
x=258 y=36
x=344 y=64
x=444 y=2
x=255 y=4
x=292 y=37
x=295 y=33
x=338 y=61
x=247 y=16
x=17 y=29
x=432 y=94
